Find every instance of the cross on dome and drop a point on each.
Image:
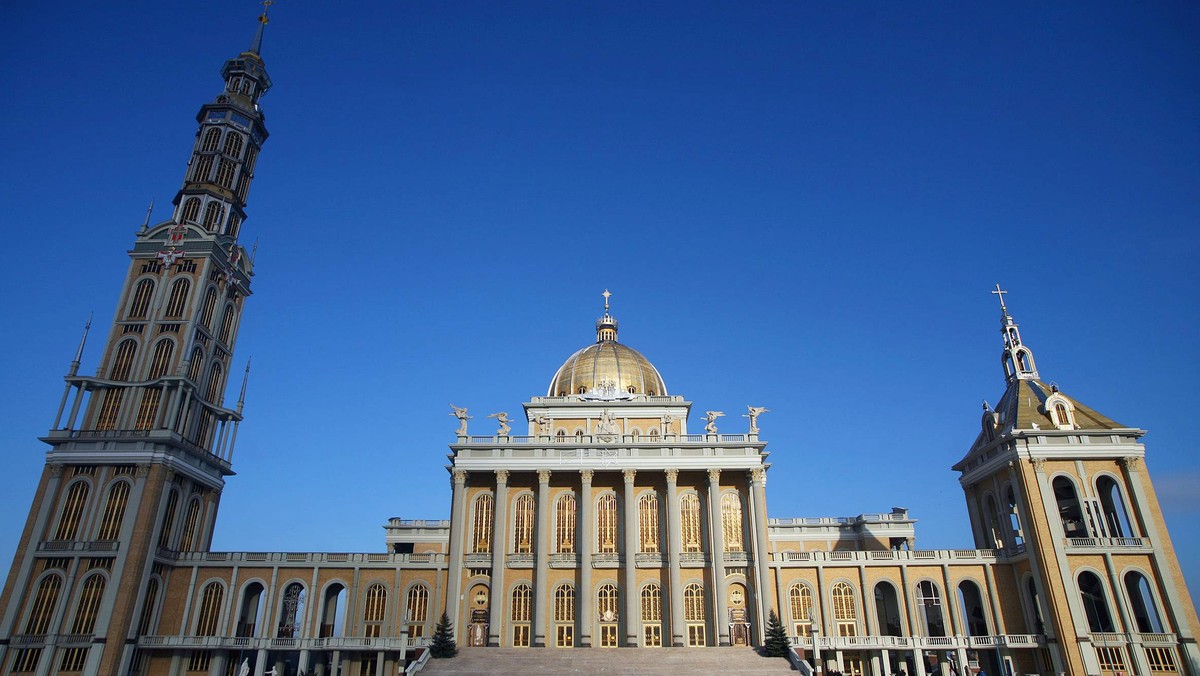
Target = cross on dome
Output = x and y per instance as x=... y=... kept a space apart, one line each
x=1000 y=292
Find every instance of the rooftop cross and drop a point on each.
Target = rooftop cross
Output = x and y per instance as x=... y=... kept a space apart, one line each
x=1000 y=292
x=266 y=6
x=606 y=295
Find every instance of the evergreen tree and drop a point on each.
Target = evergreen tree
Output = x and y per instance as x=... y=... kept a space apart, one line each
x=442 y=644
x=777 y=644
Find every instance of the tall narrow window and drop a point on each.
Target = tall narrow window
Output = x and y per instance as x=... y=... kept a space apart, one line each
x=564 y=616
x=213 y=213
x=1145 y=612
x=233 y=145
x=1116 y=518
x=195 y=364
x=1068 y=507
x=931 y=603
x=212 y=139
x=214 y=392
x=564 y=533
x=693 y=614
x=210 y=609
x=114 y=511
x=225 y=174
x=150 y=605
x=123 y=360
x=203 y=169
x=606 y=524
x=1014 y=520
x=291 y=614
x=374 y=610
x=606 y=602
x=107 y=418
x=800 y=603
x=731 y=522
x=970 y=604
x=689 y=516
x=160 y=360
x=141 y=299
x=887 y=609
x=191 y=210
x=210 y=303
x=418 y=610
x=652 y=615
x=523 y=525
x=522 y=606
x=168 y=522
x=44 y=603
x=68 y=521
x=226 y=323
x=1062 y=415
x=1039 y=625
x=178 y=298
x=481 y=526
x=89 y=604
x=648 y=522
x=1095 y=605
x=845 y=614
x=189 y=526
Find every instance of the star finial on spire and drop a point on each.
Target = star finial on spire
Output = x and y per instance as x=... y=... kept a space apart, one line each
x=1000 y=292
x=606 y=295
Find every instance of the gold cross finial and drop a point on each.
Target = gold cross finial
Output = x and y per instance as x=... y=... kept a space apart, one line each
x=606 y=295
x=1000 y=292
x=266 y=5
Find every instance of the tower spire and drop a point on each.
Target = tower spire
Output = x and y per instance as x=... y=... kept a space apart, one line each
x=1017 y=358
x=82 y=342
x=245 y=379
x=606 y=326
x=256 y=45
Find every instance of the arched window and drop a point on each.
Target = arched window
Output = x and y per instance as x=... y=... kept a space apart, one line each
x=1014 y=520
x=652 y=615
x=233 y=145
x=931 y=604
x=1145 y=611
x=123 y=360
x=970 y=605
x=251 y=609
x=210 y=303
x=68 y=521
x=731 y=522
x=648 y=522
x=114 y=511
x=991 y=524
x=653 y=435
x=212 y=138
x=146 y=625
x=800 y=604
x=168 y=522
x=1068 y=507
x=215 y=392
x=191 y=210
x=235 y=221
x=523 y=525
x=564 y=615
x=481 y=526
x=418 y=610
x=522 y=610
x=291 y=613
x=333 y=611
x=226 y=323
x=845 y=612
x=693 y=603
x=606 y=523
x=160 y=360
x=190 y=522
x=225 y=174
x=560 y=436
x=1062 y=416
x=689 y=516
x=374 y=610
x=210 y=609
x=141 y=299
x=1095 y=604
x=203 y=169
x=212 y=217
x=887 y=609
x=195 y=364
x=1116 y=518
x=564 y=534
x=1024 y=361
x=89 y=604
x=579 y=436
x=44 y=603
x=178 y=299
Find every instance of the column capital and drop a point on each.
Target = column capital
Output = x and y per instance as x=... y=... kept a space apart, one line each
x=56 y=469
x=672 y=475
x=1039 y=465
x=586 y=475
x=459 y=476
x=143 y=470
x=758 y=475
x=1131 y=462
x=502 y=476
x=543 y=476
x=714 y=475
x=629 y=474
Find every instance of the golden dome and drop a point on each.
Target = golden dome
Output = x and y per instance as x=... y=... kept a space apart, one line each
x=606 y=369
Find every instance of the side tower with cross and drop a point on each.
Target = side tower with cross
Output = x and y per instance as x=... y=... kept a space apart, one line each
x=1061 y=492
x=139 y=451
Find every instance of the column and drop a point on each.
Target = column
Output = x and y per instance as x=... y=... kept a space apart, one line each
x=459 y=532
x=674 y=542
x=586 y=534
x=758 y=506
x=716 y=526
x=542 y=594
x=499 y=546
x=632 y=614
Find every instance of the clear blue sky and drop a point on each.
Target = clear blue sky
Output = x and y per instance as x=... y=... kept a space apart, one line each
x=797 y=205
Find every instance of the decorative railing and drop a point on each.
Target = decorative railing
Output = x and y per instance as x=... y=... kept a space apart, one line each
x=74 y=639
x=520 y=560
x=1116 y=543
x=606 y=560
x=306 y=557
x=286 y=643
x=921 y=642
x=976 y=555
x=604 y=439
x=736 y=558
x=78 y=546
x=693 y=558
x=648 y=559
x=478 y=560
x=564 y=560
x=419 y=523
x=1119 y=638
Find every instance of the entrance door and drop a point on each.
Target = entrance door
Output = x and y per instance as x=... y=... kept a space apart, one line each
x=739 y=633
x=608 y=635
x=477 y=636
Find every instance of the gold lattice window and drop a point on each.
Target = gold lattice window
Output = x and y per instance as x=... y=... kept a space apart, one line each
x=689 y=517
x=375 y=608
x=1162 y=660
x=68 y=521
x=693 y=603
x=179 y=294
x=481 y=525
x=844 y=612
x=210 y=609
x=44 y=603
x=111 y=406
x=191 y=210
x=212 y=138
x=26 y=659
x=648 y=522
x=89 y=604
x=522 y=603
x=200 y=661
x=652 y=603
x=565 y=510
x=114 y=510
x=233 y=145
x=1112 y=659
x=225 y=174
x=189 y=526
x=213 y=213
x=141 y=299
x=123 y=360
x=731 y=522
x=203 y=169
x=606 y=602
x=564 y=604
x=73 y=659
x=800 y=601
x=606 y=523
x=523 y=525
x=148 y=410
x=418 y=610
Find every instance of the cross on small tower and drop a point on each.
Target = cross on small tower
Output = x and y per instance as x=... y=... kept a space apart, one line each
x=1000 y=292
x=606 y=295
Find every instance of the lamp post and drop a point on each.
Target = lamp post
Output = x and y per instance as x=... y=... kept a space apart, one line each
x=815 y=633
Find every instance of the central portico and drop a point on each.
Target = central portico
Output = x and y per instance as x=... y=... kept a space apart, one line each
x=608 y=524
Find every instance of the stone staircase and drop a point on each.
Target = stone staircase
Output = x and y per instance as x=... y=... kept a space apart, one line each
x=674 y=661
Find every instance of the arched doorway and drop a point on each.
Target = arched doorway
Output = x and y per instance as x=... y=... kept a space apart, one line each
x=477 y=636
x=739 y=624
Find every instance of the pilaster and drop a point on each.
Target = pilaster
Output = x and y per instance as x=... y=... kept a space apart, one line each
x=459 y=532
x=716 y=526
x=674 y=543
x=543 y=594
x=632 y=616
x=499 y=547
x=585 y=539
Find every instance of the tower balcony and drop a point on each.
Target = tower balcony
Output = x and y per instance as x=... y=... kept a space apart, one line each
x=920 y=642
x=1120 y=543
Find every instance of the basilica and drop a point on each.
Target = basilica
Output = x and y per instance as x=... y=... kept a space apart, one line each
x=605 y=515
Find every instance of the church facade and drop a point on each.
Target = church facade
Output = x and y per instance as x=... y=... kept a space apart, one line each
x=603 y=521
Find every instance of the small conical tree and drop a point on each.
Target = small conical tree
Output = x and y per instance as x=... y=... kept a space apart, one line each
x=776 y=644
x=442 y=644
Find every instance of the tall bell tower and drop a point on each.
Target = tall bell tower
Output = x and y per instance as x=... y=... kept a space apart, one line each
x=140 y=450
